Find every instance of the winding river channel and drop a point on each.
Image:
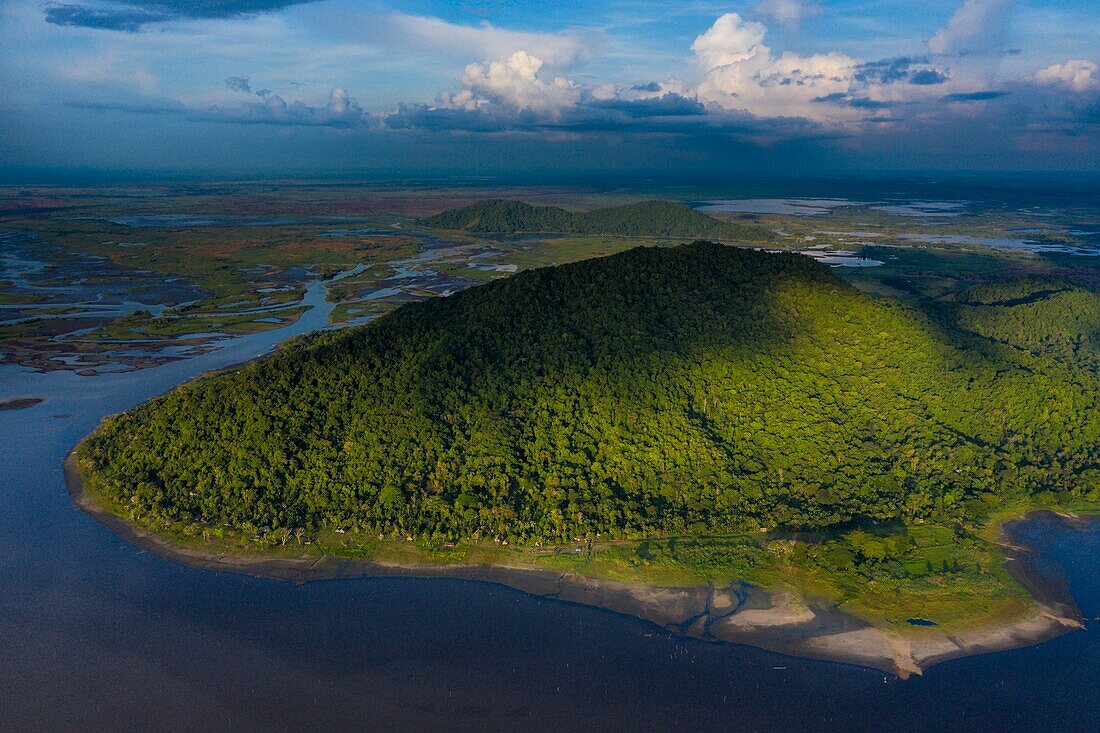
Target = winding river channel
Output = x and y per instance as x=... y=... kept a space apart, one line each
x=98 y=636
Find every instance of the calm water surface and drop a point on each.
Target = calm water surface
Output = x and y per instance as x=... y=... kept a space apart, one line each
x=96 y=636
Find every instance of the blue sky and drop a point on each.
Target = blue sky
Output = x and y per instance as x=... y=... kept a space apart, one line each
x=279 y=86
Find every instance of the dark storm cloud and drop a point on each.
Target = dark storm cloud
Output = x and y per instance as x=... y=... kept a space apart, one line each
x=846 y=100
x=131 y=15
x=927 y=77
x=1090 y=115
x=973 y=96
x=899 y=69
x=864 y=103
x=887 y=71
x=1050 y=111
x=650 y=87
x=425 y=117
x=592 y=115
x=671 y=114
x=240 y=84
x=669 y=105
x=340 y=111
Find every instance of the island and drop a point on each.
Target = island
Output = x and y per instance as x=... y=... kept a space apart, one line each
x=732 y=443
x=19 y=403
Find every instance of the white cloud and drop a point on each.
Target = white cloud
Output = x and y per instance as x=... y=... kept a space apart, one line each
x=109 y=70
x=604 y=92
x=729 y=41
x=742 y=74
x=977 y=25
x=340 y=110
x=513 y=83
x=1077 y=74
x=788 y=13
x=340 y=104
x=487 y=41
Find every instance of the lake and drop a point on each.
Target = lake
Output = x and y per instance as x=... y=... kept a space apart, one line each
x=96 y=636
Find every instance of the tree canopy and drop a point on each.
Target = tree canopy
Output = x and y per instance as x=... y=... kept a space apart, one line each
x=694 y=389
x=645 y=218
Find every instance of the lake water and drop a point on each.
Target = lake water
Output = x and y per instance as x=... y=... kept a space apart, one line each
x=822 y=206
x=96 y=636
x=1024 y=245
x=793 y=206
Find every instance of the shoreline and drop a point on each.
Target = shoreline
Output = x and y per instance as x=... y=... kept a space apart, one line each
x=739 y=613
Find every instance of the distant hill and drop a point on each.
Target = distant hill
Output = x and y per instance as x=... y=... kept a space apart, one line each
x=643 y=219
x=1040 y=315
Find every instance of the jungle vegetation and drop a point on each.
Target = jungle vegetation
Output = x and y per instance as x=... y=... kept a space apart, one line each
x=693 y=390
x=643 y=219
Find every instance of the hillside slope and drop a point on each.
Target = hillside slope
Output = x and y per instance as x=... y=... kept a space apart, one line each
x=1047 y=316
x=693 y=389
x=645 y=218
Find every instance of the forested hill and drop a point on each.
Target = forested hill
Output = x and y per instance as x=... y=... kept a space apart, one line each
x=692 y=389
x=646 y=218
x=1041 y=315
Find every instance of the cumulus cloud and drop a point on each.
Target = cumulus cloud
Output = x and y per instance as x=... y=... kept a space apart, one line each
x=788 y=13
x=730 y=40
x=742 y=73
x=513 y=83
x=1077 y=74
x=340 y=110
x=976 y=26
x=741 y=89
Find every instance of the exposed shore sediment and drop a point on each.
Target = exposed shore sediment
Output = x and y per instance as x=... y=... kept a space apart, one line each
x=739 y=613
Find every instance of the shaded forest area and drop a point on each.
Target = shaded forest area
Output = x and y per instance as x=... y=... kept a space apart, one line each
x=687 y=390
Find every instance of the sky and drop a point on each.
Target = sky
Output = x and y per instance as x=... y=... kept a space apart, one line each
x=293 y=87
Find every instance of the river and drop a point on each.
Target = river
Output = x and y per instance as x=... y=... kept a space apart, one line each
x=97 y=636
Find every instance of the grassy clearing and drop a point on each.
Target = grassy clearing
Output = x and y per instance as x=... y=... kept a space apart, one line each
x=144 y=326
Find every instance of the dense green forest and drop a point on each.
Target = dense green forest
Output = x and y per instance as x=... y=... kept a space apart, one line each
x=1040 y=315
x=693 y=389
x=643 y=219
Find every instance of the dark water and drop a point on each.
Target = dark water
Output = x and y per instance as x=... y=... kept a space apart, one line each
x=95 y=636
